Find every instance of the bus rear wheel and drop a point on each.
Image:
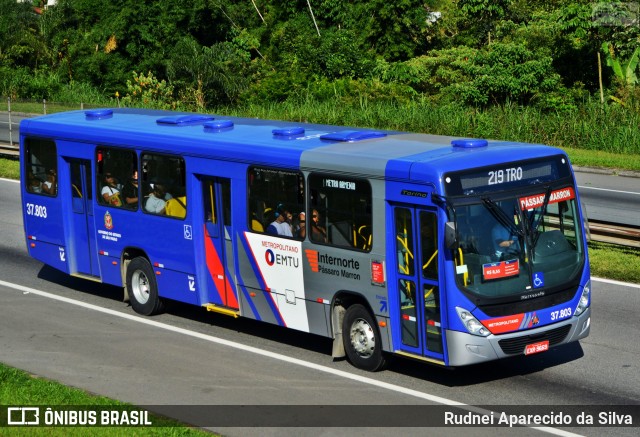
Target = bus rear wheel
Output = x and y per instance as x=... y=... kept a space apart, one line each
x=362 y=339
x=143 y=287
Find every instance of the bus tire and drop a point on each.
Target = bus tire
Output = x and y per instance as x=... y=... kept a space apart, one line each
x=361 y=339
x=143 y=287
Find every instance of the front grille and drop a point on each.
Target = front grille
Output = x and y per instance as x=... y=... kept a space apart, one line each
x=527 y=306
x=516 y=345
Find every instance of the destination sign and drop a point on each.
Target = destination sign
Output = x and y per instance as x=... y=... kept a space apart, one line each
x=507 y=175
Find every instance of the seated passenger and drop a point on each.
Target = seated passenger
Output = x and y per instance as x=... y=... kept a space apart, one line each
x=110 y=192
x=34 y=184
x=318 y=233
x=280 y=226
x=156 y=202
x=130 y=191
x=504 y=242
x=300 y=228
x=49 y=186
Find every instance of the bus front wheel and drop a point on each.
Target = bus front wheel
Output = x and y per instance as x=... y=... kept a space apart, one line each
x=143 y=288
x=362 y=339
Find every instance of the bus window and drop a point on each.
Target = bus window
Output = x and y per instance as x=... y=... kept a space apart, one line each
x=164 y=185
x=41 y=167
x=344 y=207
x=114 y=166
x=276 y=199
x=429 y=245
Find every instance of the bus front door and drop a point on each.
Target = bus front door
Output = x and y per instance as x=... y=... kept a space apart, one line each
x=218 y=250
x=417 y=302
x=83 y=256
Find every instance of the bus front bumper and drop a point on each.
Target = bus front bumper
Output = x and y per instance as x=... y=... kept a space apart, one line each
x=465 y=349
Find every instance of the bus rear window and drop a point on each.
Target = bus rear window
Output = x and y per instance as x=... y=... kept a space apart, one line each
x=41 y=167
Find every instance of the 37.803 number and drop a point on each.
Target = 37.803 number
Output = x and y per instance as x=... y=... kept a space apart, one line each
x=36 y=210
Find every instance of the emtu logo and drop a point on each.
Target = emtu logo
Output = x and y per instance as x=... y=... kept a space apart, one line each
x=270 y=257
x=312 y=257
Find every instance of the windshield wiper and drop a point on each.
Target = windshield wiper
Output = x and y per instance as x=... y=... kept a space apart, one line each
x=539 y=218
x=502 y=217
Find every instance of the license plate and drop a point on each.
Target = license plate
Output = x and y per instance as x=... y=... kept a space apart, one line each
x=535 y=348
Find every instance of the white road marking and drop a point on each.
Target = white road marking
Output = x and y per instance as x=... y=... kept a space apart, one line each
x=582 y=187
x=614 y=282
x=273 y=355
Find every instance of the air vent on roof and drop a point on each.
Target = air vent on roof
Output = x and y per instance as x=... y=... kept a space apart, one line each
x=352 y=136
x=218 y=125
x=98 y=114
x=469 y=143
x=184 y=120
x=288 y=131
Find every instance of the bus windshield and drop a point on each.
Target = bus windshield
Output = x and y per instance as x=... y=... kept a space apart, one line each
x=512 y=246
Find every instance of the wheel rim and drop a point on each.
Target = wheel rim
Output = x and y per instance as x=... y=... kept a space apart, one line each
x=140 y=286
x=362 y=338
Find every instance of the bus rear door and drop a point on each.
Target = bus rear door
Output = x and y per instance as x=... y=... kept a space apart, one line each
x=218 y=246
x=417 y=301
x=83 y=256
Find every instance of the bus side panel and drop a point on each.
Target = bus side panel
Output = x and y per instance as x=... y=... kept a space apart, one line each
x=167 y=242
x=43 y=226
x=110 y=272
x=176 y=285
x=44 y=231
x=278 y=302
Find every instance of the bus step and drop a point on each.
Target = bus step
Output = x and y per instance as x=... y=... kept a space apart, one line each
x=420 y=357
x=89 y=277
x=222 y=310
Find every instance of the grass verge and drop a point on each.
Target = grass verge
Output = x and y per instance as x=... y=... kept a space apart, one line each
x=9 y=168
x=611 y=261
x=21 y=389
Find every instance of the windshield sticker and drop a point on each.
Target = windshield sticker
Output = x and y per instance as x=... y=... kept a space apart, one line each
x=538 y=280
x=502 y=269
x=532 y=202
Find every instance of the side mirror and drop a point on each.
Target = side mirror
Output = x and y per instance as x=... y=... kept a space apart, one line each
x=450 y=240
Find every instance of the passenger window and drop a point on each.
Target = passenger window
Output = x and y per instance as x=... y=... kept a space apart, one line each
x=41 y=167
x=276 y=202
x=163 y=185
x=429 y=245
x=115 y=168
x=340 y=211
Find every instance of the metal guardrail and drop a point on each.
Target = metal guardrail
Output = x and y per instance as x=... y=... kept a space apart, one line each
x=9 y=146
x=622 y=235
x=10 y=150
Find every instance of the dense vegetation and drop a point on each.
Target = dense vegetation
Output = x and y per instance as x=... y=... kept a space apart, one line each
x=538 y=65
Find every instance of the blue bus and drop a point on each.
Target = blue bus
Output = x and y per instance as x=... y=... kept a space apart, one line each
x=448 y=250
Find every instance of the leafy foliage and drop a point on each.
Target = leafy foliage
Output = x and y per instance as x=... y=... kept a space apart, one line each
x=220 y=52
x=149 y=92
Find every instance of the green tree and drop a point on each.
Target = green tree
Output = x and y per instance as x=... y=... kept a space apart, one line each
x=482 y=16
x=211 y=74
x=19 y=44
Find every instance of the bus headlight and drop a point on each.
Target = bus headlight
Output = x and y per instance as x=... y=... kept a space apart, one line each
x=471 y=323
x=584 y=299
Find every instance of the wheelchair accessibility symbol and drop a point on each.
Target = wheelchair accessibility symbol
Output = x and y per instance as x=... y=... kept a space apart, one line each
x=538 y=280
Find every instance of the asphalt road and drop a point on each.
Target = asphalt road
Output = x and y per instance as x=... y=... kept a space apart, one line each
x=9 y=127
x=81 y=334
x=610 y=198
